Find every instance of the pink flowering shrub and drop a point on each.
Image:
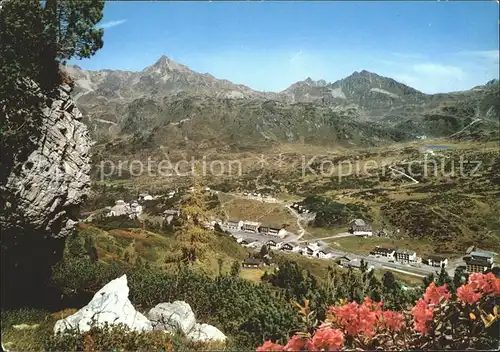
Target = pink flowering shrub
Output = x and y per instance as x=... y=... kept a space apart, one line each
x=437 y=321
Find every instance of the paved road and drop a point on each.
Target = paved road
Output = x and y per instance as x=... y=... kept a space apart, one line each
x=339 y=235
x=380 y=262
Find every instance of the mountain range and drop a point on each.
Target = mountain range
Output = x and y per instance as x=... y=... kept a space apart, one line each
x=169 y=105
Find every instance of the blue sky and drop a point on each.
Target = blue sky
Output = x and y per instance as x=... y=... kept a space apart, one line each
x=431 y=46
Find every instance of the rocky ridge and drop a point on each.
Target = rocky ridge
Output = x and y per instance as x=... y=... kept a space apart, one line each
x=169 y=105
x=41 y=196
x=47 y=189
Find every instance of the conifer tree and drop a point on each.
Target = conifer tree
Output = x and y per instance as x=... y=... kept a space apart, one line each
x=235 y=269
x=192 y=237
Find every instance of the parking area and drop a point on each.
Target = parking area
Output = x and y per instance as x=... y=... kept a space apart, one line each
x=260 y=237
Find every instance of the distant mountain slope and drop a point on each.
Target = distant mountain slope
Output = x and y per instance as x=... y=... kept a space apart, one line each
x=165 y=77
x=365 y=89
x=203 y=122
x=169 y=104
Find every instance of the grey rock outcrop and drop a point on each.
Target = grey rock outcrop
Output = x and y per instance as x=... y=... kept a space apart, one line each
x=179 y=317
x=47 y=189
x=110 y=305
x=172 y=317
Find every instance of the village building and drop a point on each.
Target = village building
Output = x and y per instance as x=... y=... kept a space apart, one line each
x=135 y=210
x=384 y=252
x=477 y=265
x=312 y=249
x=437 y=261
x=405 y=256
x=299 y=208
x=170 y=214
x=250 y=226
x=209 y=225
x=290 y=247
x=479 y=262
x=482 y=256
x=343 y=261
x=121 y=208
x=145 y=196
x=233 y=224
x=360 y=227
x=354 y=263
x=272 y=230
x=322 y=254
x=252 y=263
x=271 y=243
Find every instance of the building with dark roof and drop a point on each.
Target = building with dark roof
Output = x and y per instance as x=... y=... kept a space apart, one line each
x=482 y=256
x=360 y=227
x=271 y=243
x=405 y=256
x=435 y=260
x=475 y=265
x=233 y=224
x=252 y=263
x=272 y=230
x=384 y=252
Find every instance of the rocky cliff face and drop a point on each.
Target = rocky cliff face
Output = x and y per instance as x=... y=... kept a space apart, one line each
x=41 y=196
x=47 y=189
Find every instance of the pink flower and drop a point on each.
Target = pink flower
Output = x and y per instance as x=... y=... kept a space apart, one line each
x=269 y=346
x=297 y=343
x=357 y=319
x=496 y=286
x=433 y=293
x=422 y=315
x=467 y=294
x=393 y=320
x=328 y=339
x=485 y=283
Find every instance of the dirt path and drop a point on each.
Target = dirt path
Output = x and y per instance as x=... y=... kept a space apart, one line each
x=402 y=173
x=339 y=235
x=463 y=129
x=302 y=231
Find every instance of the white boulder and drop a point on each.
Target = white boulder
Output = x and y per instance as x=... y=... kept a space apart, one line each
x=109 y=305
x=178 y=316
x=205 y=332
x=172 y=317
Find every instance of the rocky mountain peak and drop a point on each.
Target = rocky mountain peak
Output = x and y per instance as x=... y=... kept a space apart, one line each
x=309 y=81
x=362 y=75
x=312 y=83
x=493 y=82
x=165 y=63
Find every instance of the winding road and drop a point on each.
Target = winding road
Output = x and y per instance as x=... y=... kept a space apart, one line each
x=383 y=263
